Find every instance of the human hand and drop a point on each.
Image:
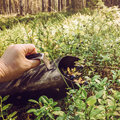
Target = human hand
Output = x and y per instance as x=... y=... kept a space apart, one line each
x=13 y=63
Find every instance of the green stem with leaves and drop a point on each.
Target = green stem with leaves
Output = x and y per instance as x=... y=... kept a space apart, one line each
x=1 y=108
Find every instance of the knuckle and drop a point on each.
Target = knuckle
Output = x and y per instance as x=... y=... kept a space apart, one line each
x=15 y=48
x=11 y=46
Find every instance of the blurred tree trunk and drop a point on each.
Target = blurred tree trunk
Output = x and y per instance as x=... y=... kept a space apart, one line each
x=40 y=5
x=55 y=5
x=112 y=2
x=43 y=6
x=1 y=7
x=73 y=4
x=84 y=3
x=26 y=6
x=46 y=5
x=78 y=4
x=4 y=6
x=21 y=7
x=35 y=6
x=13 y=6
x=49 y=5
x=67 y=2
x=16 y=2
x=63 y=5
x=10 y=7
x=59 y=5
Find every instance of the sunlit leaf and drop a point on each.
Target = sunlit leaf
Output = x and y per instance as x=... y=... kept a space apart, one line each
x=99 y=94
x=12 y=115
x=91 y=100
x=61 y=113
x=31 y=111
x=5 y=98
x=6 y=107
x=33 y=101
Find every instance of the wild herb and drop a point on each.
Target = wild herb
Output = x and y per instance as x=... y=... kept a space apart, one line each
x=46 y=109
x=4 y=110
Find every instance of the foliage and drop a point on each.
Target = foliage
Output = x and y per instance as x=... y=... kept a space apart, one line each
x=95 y=38
x=102 y=104
x=47 y=109
x=4 y=110
x=8 y=22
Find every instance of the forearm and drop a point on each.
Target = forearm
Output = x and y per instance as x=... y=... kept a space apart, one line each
x=3 y=72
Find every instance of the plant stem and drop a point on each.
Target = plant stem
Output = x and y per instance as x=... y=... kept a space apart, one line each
x=60 y=72
x=1 y=108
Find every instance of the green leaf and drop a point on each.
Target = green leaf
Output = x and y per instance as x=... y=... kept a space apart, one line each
x=14 y=118
x=5 y=98
x=38 y=112
x=116 y=113
x=38 y=118
x=91 y=100
x=57 y=109
x=80 y=113
x=42 y=109
x=60 y=113
x=44 y=99
x=96 y=77
x=110 y=102
x=60 y=118
x=12 y=114
x=84 y=94
x=31 y=111
x=6 y=107
x=0 y=97
x=54 y=104
x=51 y=101
x=118 y=108
x=97 y=111
x=33 y=101
x=71 y=107
x=72 y=91
x=50 y=115
x=80 y=104
x=99 y=94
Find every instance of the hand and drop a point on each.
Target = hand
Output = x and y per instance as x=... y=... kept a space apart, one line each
x=13 y=63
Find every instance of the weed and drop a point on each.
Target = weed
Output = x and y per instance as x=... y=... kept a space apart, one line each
x=47 y=109
x=4 y=110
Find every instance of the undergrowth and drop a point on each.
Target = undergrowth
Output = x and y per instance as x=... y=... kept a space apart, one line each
x=95 y=39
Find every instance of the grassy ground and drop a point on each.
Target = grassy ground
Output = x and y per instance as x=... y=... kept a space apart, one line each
x=95 y=39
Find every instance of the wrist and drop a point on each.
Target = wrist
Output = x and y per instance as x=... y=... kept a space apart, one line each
x=3 y=71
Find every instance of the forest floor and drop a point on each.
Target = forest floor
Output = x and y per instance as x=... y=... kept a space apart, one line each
x=94 y=37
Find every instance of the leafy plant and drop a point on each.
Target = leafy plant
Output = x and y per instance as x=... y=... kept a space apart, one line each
x=4 y=110
x=47 y=109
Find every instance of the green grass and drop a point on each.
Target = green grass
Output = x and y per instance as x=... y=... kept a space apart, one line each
x=95 y=39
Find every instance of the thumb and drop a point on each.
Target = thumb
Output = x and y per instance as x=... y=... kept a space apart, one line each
x=34 y=63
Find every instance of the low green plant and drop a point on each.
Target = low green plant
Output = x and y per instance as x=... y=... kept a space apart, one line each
x=4 y=110
x=85 y=104
x=46 y=109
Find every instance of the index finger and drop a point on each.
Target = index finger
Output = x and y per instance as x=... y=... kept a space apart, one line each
x=29 y=49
